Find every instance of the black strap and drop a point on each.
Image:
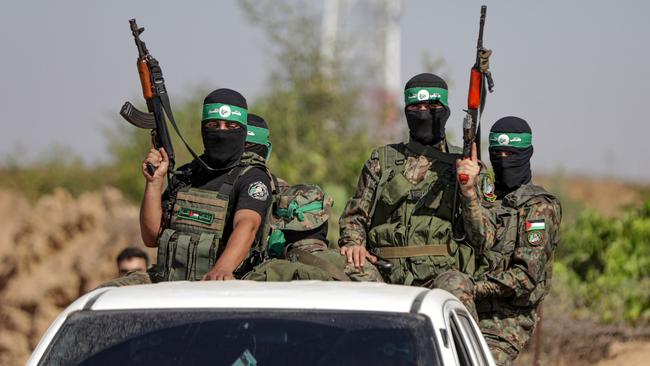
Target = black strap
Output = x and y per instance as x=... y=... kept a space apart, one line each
x=276 y=184
x=226 y=189
x=432 y=153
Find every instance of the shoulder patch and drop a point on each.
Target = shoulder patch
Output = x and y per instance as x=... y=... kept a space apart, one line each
x=258 y=191
x=535 y=237
x=488 y=189
x=534 y=225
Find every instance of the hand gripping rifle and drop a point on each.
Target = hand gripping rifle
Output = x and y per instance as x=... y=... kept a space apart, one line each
x=480 y=75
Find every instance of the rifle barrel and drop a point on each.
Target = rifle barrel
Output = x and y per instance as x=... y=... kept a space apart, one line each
x=479 y=44
x=142 y=47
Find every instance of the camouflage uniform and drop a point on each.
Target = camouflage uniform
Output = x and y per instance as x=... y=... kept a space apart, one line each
x=301 y=213
x=332 y=266
x=402 y=211
x=517 y=236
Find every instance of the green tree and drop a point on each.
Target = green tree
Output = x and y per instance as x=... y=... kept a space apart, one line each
x=607 y=264
x=313 y=105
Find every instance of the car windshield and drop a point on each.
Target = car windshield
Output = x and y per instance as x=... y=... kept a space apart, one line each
x=221 y=337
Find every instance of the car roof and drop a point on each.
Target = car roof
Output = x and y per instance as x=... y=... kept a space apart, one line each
x=316 y=295
x=237 y=295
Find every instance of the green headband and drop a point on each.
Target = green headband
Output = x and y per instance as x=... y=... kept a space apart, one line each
x=517 y=140
x=295 y=210
x=420 y=95
x=257 y=135
x=225 y=112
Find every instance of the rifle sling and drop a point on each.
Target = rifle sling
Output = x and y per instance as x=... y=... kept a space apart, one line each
x=413 y=251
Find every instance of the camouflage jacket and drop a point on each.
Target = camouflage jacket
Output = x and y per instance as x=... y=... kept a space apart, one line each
x=356 y=219
x=478 y=221
x=518 y=235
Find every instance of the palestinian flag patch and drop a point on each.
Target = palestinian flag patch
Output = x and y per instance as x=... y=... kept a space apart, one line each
x=196 y=215
x=532 y=225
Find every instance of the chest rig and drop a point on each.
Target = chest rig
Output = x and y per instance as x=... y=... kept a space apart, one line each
x=191 y=244
x=411 y=222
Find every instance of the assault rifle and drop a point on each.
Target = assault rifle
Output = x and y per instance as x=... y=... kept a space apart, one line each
x=480 y=75
x=155 y=94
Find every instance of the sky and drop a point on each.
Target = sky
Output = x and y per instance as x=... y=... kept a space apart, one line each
x=577 y=71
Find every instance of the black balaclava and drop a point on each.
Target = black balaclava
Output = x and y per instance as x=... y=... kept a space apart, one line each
x=319 y=233
x=223 y=148
x=511 y=134
x=259 y=149
x=427 y=127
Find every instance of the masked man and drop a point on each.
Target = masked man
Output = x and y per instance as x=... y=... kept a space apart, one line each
x=402 y=208
x=515 y=225
x=205 y=223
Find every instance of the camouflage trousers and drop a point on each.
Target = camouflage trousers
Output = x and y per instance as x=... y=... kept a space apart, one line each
x=330 y=266
x=129 y=279
x=507 y=334
x=461 y=286
x=506 y=331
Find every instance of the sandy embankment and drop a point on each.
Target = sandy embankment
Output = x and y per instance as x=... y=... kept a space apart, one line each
x=52 y=251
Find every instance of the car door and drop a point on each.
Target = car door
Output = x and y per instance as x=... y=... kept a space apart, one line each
x=468 y=345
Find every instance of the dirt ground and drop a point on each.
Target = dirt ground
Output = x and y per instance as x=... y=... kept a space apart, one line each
x=568 y=341
x=53 y=251
x=605 y=195
x=59 y=247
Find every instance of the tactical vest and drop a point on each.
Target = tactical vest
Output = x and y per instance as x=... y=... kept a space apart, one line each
x=190 y=246
x=511 y=214
x=411 y=223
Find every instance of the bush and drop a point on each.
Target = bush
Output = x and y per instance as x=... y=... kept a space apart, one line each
x=607 y=262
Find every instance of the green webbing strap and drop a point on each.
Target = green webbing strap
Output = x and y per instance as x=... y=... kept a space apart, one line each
x=276 y=244
x=388 y=155
x=203 y=260
x=295 y=210
x=412 y=251
x=409 y=279
x=180 y=271
x=164 y=259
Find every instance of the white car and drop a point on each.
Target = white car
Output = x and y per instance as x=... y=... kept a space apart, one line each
x=263 y=323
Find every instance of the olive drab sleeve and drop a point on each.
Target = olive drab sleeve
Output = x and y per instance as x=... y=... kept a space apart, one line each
x=479 y=223
x=530 y=271
x=355 y=219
